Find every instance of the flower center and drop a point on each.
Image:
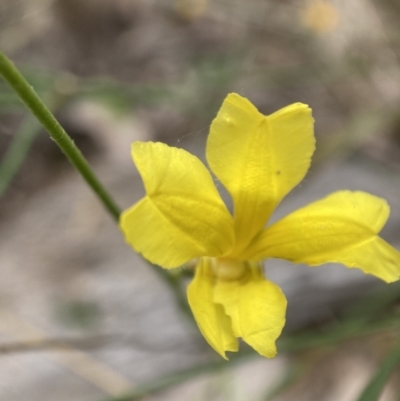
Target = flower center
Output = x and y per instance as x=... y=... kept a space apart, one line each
x=228 y=269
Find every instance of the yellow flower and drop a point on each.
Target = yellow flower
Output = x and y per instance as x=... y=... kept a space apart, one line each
x=258 y=159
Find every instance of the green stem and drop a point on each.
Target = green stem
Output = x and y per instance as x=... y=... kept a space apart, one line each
x=31 y=100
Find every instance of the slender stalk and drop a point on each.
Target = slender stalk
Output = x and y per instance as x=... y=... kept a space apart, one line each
x=32 y=101
x=22 y=142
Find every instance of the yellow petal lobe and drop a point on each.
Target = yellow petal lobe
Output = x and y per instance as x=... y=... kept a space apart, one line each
x=258 y=158
x=213 y=323
x=182 y=217
x=341 y=228
x=256 y=306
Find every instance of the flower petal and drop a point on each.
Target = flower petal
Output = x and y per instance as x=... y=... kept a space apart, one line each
x=257 y=308
x=213 y=323
x=258 y=158
x=182 y=217
x=340 y=228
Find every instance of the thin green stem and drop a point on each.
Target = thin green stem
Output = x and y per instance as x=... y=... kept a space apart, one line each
x=31 y=100
x=22 y=142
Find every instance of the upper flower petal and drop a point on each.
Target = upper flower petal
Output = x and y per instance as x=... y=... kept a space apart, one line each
x=213 y=323
x=340 y=228
x=258 y=158
x=182 y=217
x=257 y=308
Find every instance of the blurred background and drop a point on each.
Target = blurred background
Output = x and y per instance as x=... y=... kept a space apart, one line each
x=82 y=318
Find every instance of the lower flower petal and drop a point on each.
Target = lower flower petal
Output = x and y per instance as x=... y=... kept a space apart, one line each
x=213 y=323
x=257 y=308
x=340 y=228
